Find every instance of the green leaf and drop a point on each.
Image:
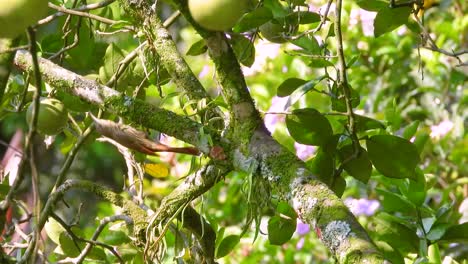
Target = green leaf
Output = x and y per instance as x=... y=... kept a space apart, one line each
x=244 y=49
x=392 y=202
x=286 y=209
x=388 y=19
x=397 y=235
x=390 y=253
x=280 y=229
x=372 y=5
x=308 y=43
x=303 y=89
x=338 y=100
x=302 y=17
x=4 y=189
x=456 y=233
x=54 y=230
x=359 y=167
x=308 y=126
x=393 y=156
x=320 y=63
x=113 y=56
x=289 y=86
x=364 y=123
x=227 y=245
x=197 y=48
x=339 y=186
x=323 y=166
x=70 y=247
x=253 y=19
x=116 y=238
x=410 y=130
x=437 y=232
x=276 y=8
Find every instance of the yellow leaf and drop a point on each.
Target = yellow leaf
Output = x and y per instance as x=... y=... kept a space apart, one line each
x=156 y=170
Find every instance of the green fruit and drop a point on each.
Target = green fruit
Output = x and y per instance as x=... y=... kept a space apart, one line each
x=275 y=31
x=219 y=15
x=52 y=117
x=17 y=15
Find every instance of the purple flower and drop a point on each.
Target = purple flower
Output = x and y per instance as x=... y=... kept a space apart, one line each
x=277 y=105
x=362 y=206
x=441 y=129
x=302 y=228
x=205 y=70
x=300 y=243
x=304 y=152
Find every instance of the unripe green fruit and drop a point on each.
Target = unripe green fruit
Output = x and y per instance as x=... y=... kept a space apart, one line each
x=17 y=15
x=218 y=15
x=52 y=117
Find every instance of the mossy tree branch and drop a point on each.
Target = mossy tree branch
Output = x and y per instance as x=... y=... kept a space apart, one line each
x=244 y=116
x=165 y=48
x=135 y=110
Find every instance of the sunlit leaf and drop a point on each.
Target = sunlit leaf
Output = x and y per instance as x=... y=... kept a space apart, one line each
x=157 y=170
x=253 y=19
x=197 y=48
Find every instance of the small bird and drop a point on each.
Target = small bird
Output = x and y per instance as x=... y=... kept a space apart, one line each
x=135 y=139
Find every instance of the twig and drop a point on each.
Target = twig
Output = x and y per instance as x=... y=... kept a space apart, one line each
x=81 y=8
x=88 y=15
x=342 y=83
x=71 y=156
x=102 y=224
x=90 y=243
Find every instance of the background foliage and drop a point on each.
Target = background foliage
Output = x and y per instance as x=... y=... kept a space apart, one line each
x=411 y=121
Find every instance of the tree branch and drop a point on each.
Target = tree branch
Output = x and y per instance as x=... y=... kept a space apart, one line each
x=140 y=112
x=244 y=116
x=313 y=201
x=165 y=48
x=192 y=187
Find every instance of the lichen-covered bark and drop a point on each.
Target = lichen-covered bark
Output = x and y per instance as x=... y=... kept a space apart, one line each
x=137 y=111
x=314 y=202
x=246 y=145
x=244 y=118
x=165 y=48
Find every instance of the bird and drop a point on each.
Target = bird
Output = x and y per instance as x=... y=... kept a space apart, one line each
x=135 y=139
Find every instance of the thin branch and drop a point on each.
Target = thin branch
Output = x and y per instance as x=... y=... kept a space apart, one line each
x=81 y=8
x=102 y=224
x=76 y=41
x=342 y=81
x=88 y=15
x=89 y=244
x=129 y=208
x=71 y=156
x=28 y=145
